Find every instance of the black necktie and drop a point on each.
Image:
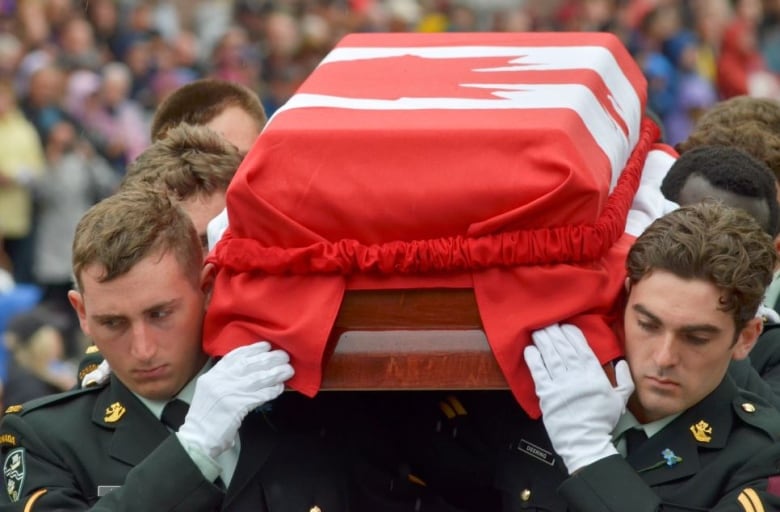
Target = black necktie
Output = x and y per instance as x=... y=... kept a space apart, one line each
x=173 y=414
x=634 y=438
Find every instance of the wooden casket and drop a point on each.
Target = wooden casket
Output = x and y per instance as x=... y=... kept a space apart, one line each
x=425 y=201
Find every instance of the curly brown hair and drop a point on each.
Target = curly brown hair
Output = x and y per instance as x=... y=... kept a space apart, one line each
x=191 y=161
x=713 y=242
x=750 y=124
x=130 y=225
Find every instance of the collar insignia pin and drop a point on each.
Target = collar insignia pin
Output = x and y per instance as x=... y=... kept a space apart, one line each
x=702 y=431
x=114 y=412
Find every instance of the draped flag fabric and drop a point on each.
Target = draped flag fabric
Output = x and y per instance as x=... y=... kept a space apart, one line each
x=506 y=163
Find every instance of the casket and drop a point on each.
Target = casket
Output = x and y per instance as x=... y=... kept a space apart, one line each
x=425 y=201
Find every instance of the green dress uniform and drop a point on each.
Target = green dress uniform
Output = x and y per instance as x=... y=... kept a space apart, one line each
x=722 y=454
x=765 y=357
x=101 y=449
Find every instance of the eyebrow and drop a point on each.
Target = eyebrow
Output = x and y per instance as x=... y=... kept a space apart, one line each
x=704 y=328
x=156 y=307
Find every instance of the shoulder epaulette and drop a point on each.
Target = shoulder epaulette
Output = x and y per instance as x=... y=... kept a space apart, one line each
x=754 y=411
x=50 y=400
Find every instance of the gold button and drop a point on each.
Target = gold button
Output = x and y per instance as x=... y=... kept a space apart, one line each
x=525 y=495
x=748 y=407
x=315 y=508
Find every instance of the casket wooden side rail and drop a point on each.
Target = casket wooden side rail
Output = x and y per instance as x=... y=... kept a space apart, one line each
x=410 y=339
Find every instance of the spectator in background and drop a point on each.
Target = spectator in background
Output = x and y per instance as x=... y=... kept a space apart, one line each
x=694 y=93
x=43 y=103
x=116 y=120
x=37 y=366
x=741 y=67
x=77 y=46
x=21 y=164
x=76 y=179
x=235 y=59
x=657 y=27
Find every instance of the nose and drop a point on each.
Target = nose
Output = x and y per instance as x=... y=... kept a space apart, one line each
x=143 y=345
x=666 y=352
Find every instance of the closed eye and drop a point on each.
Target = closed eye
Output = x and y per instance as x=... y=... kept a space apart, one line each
x=696 y=340
x=647 y=326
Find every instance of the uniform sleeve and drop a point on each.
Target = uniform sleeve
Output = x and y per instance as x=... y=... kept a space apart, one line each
x=612 y=485
x=38 y=480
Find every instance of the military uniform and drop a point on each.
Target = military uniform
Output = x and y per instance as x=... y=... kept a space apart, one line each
x=101 y=449
x=723 y=455
x=727 y=445
x=765 y=356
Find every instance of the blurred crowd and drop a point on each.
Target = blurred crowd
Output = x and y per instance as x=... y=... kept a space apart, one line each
x=80 y=80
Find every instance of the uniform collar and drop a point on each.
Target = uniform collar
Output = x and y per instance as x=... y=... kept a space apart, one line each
x=187 y=392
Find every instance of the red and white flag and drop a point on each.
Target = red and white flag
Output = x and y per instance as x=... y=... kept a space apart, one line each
x=503 y=162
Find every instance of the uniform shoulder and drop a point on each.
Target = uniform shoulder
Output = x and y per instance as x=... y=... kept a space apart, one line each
x=757 y=412
x=50 y=400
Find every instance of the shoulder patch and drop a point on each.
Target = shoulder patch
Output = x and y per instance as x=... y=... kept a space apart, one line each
x=11 y=409
x=14 y=473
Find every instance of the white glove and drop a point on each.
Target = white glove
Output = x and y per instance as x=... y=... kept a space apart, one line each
x=580 y=408
x=245 y=378
x=216 y=228
x=97 y=376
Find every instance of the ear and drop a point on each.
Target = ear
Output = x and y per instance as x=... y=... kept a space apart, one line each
x=747 y=338
x=207 y=277
x=77 y=301
x=777 y=247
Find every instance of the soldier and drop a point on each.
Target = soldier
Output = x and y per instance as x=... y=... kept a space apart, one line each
x=230 y=109
x=695 y=280
x=190 y=164
x=141 y=294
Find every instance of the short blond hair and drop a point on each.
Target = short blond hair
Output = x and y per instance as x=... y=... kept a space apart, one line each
x=130 y=225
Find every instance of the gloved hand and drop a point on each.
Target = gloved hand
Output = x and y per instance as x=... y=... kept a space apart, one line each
x=216 y=228
x=580 y=408
x=97 y=376
x=243 y=379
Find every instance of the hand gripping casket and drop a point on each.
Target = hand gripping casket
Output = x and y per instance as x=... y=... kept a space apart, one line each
x=500 y=164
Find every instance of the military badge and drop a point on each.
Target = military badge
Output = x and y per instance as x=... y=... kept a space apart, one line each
x=13 y=472
x=702 y=431
x=114 y=412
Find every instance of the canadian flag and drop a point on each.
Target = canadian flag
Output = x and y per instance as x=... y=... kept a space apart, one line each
x=503 y=162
